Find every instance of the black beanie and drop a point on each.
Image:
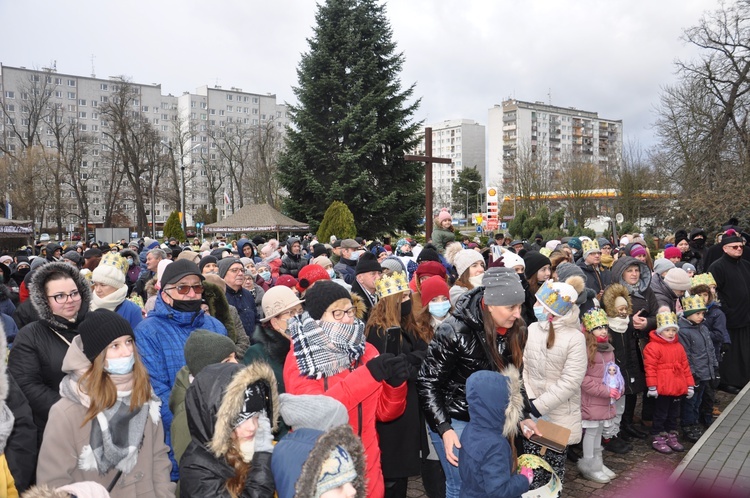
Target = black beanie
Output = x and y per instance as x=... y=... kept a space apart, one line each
x=428 y=254
x=206 y=260
x=319 y=250
x=99 y=329
x=680 y=235
x=535 y=261
x=367 y=262
x=321 y=295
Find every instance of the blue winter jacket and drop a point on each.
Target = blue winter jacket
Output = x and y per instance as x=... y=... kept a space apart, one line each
x=161 y=342
x=293 y=450
x=130 y=312
x=716 y=322
x=485 y=455
x=244 y=301
x=696 y=340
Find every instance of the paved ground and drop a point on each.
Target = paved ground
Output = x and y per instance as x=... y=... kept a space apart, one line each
x=642 y=468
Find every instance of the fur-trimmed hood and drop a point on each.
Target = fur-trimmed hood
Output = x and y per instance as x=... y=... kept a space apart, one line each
x=39 y=300
x=6 y=416
x=612 y=292
x=626 y=261
x=299 y=457
x=218 y=306
x=275 y=344
x=359 y=305
x=495 y=400
x=216 y=396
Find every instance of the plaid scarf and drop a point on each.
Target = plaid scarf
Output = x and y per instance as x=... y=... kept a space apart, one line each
x=323 y=349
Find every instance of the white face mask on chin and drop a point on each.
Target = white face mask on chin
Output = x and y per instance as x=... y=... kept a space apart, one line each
x=247 y=450
x=476 y=280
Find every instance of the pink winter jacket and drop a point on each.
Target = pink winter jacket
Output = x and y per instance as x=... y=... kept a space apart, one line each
x=595 y=400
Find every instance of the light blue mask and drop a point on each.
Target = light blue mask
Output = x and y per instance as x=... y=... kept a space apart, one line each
x=120 y=366
x=130 y=261
x=439 y=309
x=540 y=313
x=331 y=273
x=265 y=275
x=356 y=254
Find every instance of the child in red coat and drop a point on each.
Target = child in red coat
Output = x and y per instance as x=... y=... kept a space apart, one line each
x=668 y=378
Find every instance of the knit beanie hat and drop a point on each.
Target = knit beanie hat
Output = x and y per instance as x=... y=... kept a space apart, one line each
x=256 y=396
x=672 y=252
x=680 y=235
x=433 y=287
x=686 y=266
x=309 y=274
x=111 y=270
x=638 y=250
x=225 y=264
x=319 y=250
x=99 y=328
x=603 y=242
x=70 y=256
x=557 y=298
x=337 y=470
x=287 y=281
x=322 y=261
x=394 y=264
x=552 y=244
x=511 y=260
x=677 y=279
x=502 y=287
x=535 y=261
x=444 y=215
x=204 y=348
x=464 y=259
x=431 y=268
x=367 y=262
x=662 y=264
x=322 y=295
x=731 y=237
x=575 y=243
x=567 y=270
x=428 y=254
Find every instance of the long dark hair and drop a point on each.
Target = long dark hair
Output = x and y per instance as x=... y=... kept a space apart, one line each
x=515 y=339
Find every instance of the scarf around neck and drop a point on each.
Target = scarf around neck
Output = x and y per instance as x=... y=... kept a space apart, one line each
x=110 y=302
x=323 y=349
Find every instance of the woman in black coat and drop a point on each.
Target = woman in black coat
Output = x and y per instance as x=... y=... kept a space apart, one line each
x=231 y=411
x=61 y=296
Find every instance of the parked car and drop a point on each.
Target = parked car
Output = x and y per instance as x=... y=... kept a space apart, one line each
x=44 y=237
x=189 y=232
x=75 y=236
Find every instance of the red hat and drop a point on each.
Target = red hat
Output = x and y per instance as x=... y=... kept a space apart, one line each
x=287 y=281
x=431 y=268
x=672 y=252
x=433 y=287
x=309 y=274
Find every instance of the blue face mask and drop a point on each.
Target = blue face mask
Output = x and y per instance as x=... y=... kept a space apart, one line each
x=439 y=309
x=265 y=275
x=355 y=255
x=120 y=366
x=331 y=273
x=130 y=261
x=540 y=314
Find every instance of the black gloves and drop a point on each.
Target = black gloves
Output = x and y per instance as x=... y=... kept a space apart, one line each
x=392 y=369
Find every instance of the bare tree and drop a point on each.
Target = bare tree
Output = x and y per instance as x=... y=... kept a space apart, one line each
x=527 y=175
x=266 y=145
x=577 y=178
x=235 y=144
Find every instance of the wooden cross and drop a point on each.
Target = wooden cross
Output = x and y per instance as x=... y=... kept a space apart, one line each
x=428 y=160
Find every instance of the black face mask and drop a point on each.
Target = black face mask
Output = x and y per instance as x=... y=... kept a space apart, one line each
x=698 y=243
x=406 y=308
x=192 y=306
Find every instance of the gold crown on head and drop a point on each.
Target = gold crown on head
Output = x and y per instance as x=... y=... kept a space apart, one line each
x=595 y=318
x=702 y=279
x=590 y=245
x=693 y=303
x=666 y=319
x=114 y=259
x=388 y=285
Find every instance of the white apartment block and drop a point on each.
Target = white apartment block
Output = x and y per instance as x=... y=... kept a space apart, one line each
x=461 y=140
x=551 y=133
x=80 y=98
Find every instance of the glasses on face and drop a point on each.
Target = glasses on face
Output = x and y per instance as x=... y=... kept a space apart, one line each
x=339 y=314
x=184 y=289
x=235 y=270
x=62 y=298
x=737 y=247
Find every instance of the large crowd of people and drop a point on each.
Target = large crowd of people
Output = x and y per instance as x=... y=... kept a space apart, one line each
x=344 y=367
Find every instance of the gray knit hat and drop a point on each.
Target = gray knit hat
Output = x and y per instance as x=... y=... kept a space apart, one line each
x=662 y=265
x=204 y=348
x=225 y=264
x=567 y=270
x=394 y=264
x=502 y=287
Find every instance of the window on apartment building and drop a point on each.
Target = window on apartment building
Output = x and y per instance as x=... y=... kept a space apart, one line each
x=35 y=78
x=255 y=111
x=58 y=94
x=144 y=108
x=192 y=115
x=83 y=127
x=71 y=108
x=203 y=105
x=50 y=143
x=221 y=112
x=94 y=127
x=71 y=82
x=103 y=86
x=10 y=108
x=82 y=102
x=246 y=121
x=82 y=114
x=163 y=127
x=10 y=95
x=212 y=122
x=255 y=100
x=104 y=99
x=229 y=97
x=255 y=121
x=94 y=115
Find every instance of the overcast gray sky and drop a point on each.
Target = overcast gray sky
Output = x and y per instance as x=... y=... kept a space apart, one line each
x=464 y=56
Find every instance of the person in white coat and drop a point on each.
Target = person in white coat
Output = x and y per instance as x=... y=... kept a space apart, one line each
x=555 y=362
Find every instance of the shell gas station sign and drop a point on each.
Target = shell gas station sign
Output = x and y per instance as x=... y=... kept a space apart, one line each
x=492 y=209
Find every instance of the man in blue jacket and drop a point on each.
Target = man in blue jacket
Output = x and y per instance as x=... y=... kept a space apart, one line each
x=162 y=335
x=233 y=272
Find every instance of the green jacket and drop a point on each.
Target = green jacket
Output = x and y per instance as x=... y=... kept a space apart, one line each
x=180 y=432
x=441 y=238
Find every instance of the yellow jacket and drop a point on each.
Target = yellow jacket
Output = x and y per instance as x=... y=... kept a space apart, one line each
x=7 y=484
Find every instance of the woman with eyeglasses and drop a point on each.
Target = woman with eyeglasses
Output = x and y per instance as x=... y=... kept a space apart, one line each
x=329 y=355
x=61 y=297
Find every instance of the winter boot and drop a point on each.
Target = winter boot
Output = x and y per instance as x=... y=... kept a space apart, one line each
x=659 y=443
x=616 y=445
x=592 y=470
x=673 y=443
x=605 y=470
x=691 y=433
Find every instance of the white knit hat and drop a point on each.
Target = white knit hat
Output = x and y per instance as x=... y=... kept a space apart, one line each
x=110 y=270
x=511 y=260
x=464 y=259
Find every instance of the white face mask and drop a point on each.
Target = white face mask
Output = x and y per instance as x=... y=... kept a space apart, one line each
x=476 y=280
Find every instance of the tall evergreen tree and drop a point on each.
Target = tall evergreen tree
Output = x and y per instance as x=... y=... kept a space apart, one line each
x=353 y=125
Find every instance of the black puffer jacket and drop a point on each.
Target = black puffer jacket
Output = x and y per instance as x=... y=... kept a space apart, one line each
x=35 y=361
x=212 y=403
x=458 y=350
x=291 y=264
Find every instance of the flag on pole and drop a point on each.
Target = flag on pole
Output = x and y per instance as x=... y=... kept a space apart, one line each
x=8 y=209
x=227 y=200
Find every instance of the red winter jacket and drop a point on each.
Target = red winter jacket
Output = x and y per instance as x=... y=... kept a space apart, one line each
x=667 y=366
x=380 y=402
x=595 y=401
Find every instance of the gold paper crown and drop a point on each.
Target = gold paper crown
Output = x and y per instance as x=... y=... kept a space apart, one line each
x=595 y=318
x=590 y=245
x=666 y=319
x=393 y=284
x=702 y=279
x=114 y=259
x=693 y=303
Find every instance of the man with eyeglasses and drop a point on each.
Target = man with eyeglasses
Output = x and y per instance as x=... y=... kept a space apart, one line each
x=162 y=335
x=233 y=272
x=347 y=264
x=732 y=275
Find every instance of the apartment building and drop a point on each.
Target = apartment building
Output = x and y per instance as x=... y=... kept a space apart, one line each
x=551 y=133
x=187 y=118
x=461 y=140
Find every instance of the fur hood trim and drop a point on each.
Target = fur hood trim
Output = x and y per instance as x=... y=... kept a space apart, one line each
x=44 y=491
x=36 y=290
x=359 y=305
x=338 y=436
x=612 y=292
x=218 y=306
x=275 y=344
x=514 y=410
x=6 y=415
x=233 y=399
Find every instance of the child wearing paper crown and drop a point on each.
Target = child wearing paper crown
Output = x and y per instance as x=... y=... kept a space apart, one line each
x=597 y=397
x=696 y=339
x=668 y=379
